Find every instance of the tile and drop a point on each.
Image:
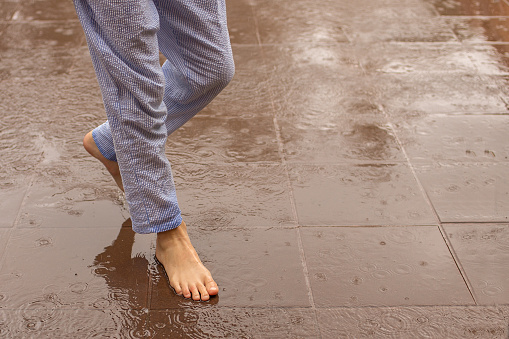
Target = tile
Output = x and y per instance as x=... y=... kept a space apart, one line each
x=253 y=268
x=248 y=94
x=409 y=58
x=284 y=22
x=454 y=138
x=483 y=251
x=12 y=192
x=234 y=323
x=40 y=10
x=49 y=269
x=455 y=322
x=382 y=266
x=218 y=140
x=429 y=93
x=70 y=206
x=481 y=29
x=241 y=22
x=48 y=319
x=352 y=138
x=412 y=23
x=29 y=36
x=38 y=63
x=4 y=237
x=237 y=195
x=349 y=195
x=471 y=8
x=314 y=84
x=467 y=192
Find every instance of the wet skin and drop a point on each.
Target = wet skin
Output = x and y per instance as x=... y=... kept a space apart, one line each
x=186 y=273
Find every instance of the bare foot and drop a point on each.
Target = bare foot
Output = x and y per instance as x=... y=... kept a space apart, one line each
x=186 y=273
x=111 y=166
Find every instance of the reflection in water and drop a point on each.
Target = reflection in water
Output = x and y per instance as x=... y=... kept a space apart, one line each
x=127 y=280
x=126 y=277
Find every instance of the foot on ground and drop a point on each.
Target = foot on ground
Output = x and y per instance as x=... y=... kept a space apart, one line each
x=185 y=271
x=111 y=166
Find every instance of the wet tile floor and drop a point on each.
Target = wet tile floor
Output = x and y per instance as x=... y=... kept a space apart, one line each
x=351 y=182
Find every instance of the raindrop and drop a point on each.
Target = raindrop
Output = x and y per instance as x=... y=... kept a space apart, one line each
x=101 y=303
x=403 y=269
x=357 y=280
x=320 y=276
x=491 y=291
x=43 y=242
x=381 y=274
x=78 y=287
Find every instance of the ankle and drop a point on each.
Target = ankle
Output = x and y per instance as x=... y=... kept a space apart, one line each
x=178 y=234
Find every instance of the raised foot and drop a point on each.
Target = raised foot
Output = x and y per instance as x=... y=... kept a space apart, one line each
x=186 y=273
x=111 y=166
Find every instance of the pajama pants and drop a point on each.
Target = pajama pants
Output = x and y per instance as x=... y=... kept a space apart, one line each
x=145 y=102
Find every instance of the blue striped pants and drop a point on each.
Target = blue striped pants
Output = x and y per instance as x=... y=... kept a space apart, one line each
x=145 y=102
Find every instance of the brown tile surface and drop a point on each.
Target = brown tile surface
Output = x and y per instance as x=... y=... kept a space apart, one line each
x=236 y=195
x=382 y=266
x=415 y=21
x=27 y=36
x=241 y=22
x=40 y=10
x=455 y=138
x=80 y=206
x=483 y=252
x=429 y=93
x=481 y=30
x=454 y=322
x=224 y=140
x=254 y=268
x=410 y=58
x=48 y=269
x=4 y=236
x=234 y=323
x=48 y=319
x=289 y=21
x=471 y=8
x=337 y=114
x=346 y=138
x=467 y=192
x=349 y=195
x=11 y=198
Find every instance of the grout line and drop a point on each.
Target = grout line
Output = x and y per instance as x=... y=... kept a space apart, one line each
x=475 y=222
x=479 y=17
x=23 y=201
x=17 y=219
x=289 y=185
x=430 y=204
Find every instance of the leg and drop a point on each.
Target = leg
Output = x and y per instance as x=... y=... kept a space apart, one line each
x=194 y=39
x=126 y=63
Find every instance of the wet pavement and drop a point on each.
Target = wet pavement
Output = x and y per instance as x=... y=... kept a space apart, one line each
x=351 y=182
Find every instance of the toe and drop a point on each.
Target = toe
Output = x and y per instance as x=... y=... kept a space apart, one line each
x=203 y=292
x=212 y=288
x=185 y=292
x=176 y=287
x=195 y=292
